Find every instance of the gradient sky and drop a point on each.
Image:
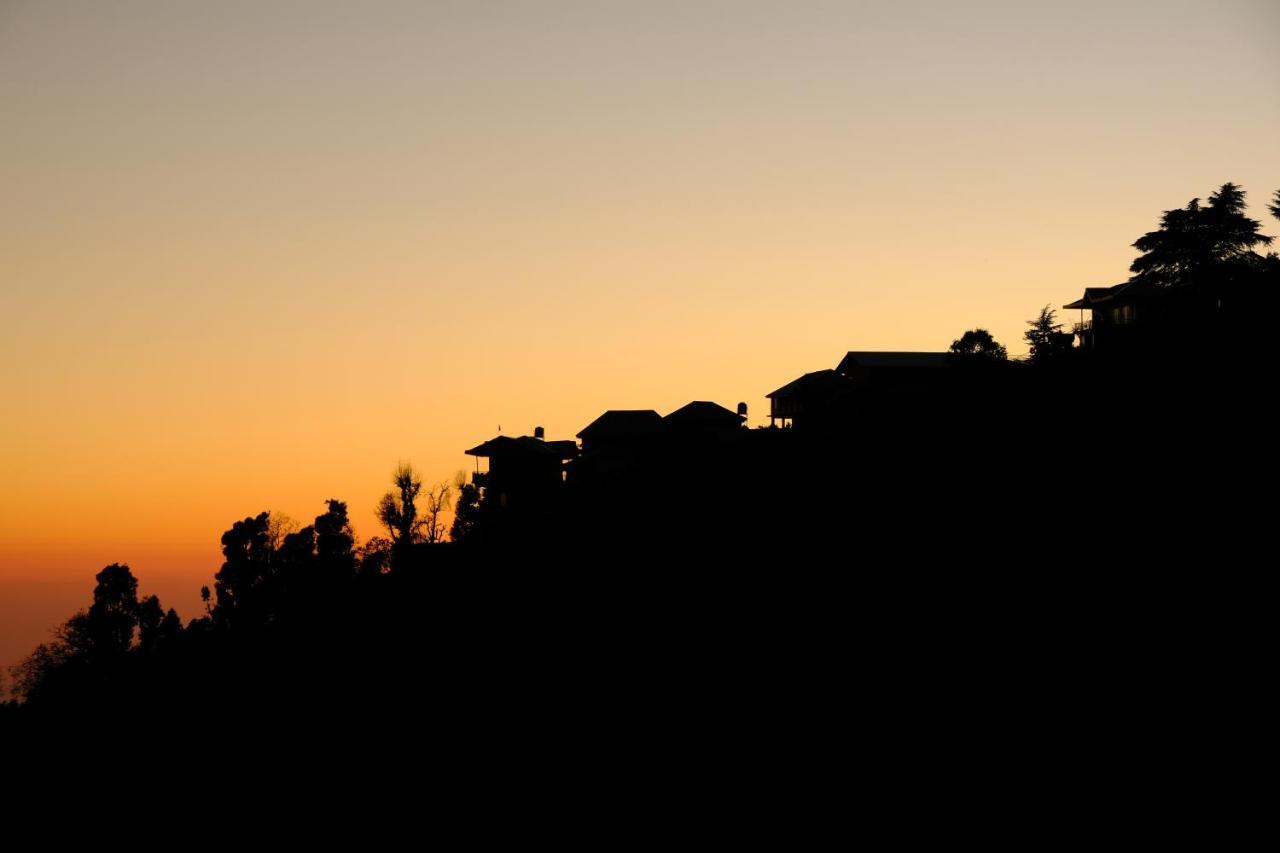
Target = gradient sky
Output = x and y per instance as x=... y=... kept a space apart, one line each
x=254 y=253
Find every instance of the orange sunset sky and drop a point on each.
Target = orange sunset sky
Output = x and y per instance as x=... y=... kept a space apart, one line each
x=254 y=253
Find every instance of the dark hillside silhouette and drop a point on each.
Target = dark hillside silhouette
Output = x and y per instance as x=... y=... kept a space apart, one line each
x=918 y=542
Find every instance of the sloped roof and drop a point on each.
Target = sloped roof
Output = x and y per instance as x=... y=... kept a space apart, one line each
x=505 y=445
x=701 y=414
x=1093 y=295
x=623 y=423
x=892 y=359
x=817 y=382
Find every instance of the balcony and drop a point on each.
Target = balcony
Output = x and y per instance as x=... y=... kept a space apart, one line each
x=1084 y=333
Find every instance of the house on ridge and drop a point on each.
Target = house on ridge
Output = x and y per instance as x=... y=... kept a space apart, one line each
x=524 y=469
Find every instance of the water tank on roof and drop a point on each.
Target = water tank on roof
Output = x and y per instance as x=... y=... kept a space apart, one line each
x=539 y=433
x=742 y=409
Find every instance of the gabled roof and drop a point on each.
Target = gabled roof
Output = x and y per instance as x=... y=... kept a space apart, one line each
x=891 y=359
x=1132 y=288
x=1094 y=295
x=818 y=382
x=701 y=414
x=623 y=423
x=505 y=445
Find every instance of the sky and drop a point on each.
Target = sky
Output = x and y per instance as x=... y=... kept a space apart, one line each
x=254 y=254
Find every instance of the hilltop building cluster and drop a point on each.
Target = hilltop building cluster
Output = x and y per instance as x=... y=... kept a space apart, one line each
x=869 y=399
x=622 y=444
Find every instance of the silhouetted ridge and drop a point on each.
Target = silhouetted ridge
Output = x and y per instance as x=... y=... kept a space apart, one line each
x=915 y=536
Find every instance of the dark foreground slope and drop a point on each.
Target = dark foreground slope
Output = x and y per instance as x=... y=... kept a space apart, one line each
x=1082 y=557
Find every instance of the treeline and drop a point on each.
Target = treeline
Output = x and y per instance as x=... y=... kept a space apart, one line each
x=279 y=589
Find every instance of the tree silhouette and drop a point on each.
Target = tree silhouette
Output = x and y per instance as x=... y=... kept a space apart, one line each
x=113 y=616
x=398 y=509
x=1274 y=207
x=280 y=525
x=242 y=585
x=374 y=557
x=466 y=513
x=438 y=500
x=150 y=615
x=335 y=543
x=93 y=643
x=294 y=565
x=1047 y=340
x=978 y=346
x=1193 y=242
x=40 y=672
x=157 y=629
